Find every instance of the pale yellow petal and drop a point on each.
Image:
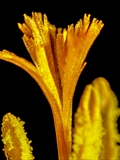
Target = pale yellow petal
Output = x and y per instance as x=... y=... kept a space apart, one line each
x=110 y=113
x=95 y=133
x=88 y=130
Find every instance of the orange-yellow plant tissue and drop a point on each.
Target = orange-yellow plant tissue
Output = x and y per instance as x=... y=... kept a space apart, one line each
x=58 y=56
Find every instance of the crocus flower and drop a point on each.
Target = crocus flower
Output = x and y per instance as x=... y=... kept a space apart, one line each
x=58 y=56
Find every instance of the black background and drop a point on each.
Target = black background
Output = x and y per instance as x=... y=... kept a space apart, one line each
x=20 y=94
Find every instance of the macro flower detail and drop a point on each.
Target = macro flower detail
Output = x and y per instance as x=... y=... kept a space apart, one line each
x=16 y=144
x=58 y=56
x=95 y=134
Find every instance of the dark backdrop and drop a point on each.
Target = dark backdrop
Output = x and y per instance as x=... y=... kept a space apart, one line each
x=20 y=94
